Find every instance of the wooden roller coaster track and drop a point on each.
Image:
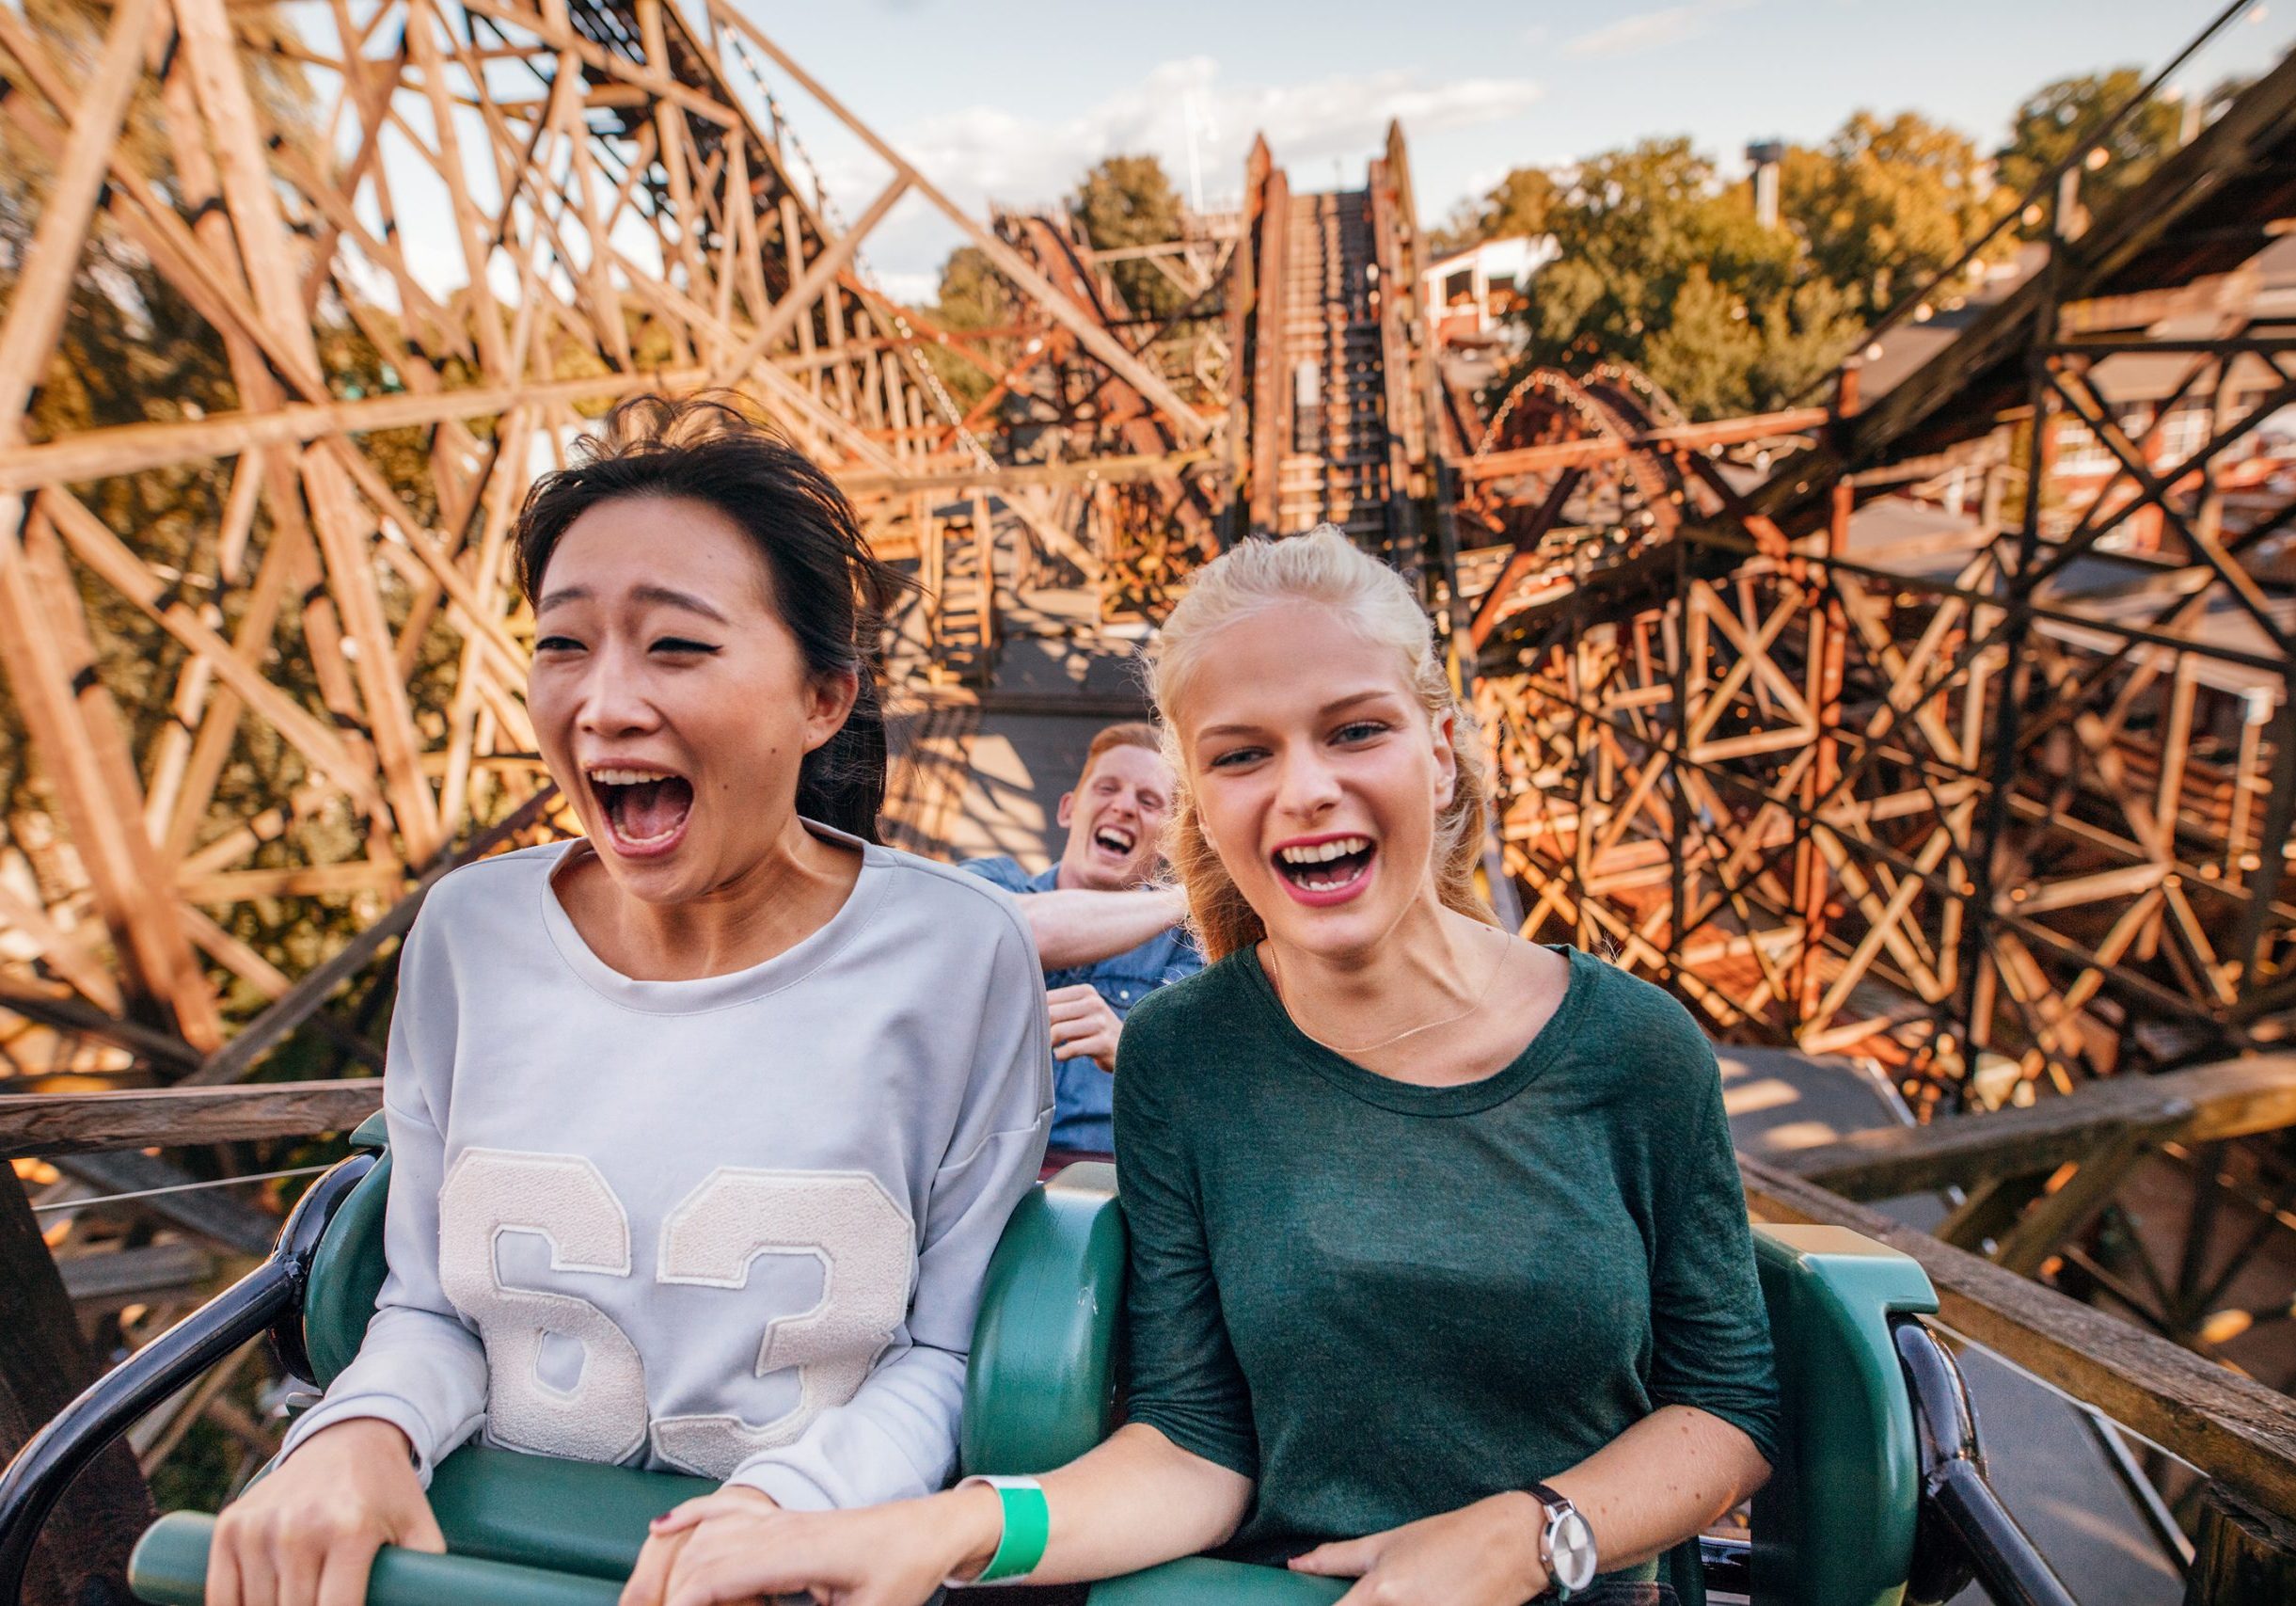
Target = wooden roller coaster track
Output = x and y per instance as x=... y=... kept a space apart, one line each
x=2000 y=783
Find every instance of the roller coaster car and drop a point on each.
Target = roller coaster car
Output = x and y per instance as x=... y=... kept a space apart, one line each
x=1878 y=1501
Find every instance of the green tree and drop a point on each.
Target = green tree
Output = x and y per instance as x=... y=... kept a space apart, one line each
x=1647 y=235
x=1885 y=204
x=1664 y=267
x=1704 y=349
x=1518 y=204
x=1804 y=333
x=1129 y=200
x=974 y=295
x=2057 y=116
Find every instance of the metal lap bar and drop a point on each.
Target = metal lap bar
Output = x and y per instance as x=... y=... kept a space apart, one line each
x=1728 y=1565
x=1965 y=1531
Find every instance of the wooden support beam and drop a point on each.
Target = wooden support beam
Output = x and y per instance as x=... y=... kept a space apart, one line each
x=51 y=666
x=72 y=1015
x=2243 y=1556
x=1097 y=339
x=1606 y=449
x=82 y=745
x=1083 y=472
x=82 y=1553
x=819 y=275
x=104 y=1283
x=483 y=314
x=240 y=1056
x=37 y=299
x=219 y=1214
x=105 y=554
x=69 y=955
x=2056 y=1216
x=2213 y=1101
x=127 y=449
x=1270 y=379
x=1521 y=561
x=1054 y=537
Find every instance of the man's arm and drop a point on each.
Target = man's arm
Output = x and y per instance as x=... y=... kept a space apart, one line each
x=1083 y=927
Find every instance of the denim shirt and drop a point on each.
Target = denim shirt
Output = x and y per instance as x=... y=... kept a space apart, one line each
x=1082 y=1092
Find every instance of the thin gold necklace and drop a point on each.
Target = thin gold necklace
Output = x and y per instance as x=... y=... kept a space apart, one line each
x=1275 y=975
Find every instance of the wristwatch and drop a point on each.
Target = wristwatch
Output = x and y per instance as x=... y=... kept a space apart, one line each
x=1566 y=1543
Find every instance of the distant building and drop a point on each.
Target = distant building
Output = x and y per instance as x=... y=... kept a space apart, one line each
x=1471 y=292
x=2168 y=403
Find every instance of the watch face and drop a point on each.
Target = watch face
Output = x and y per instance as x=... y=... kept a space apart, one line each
x=1571 y=1546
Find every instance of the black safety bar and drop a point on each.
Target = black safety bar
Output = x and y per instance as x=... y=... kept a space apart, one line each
x=270 y=1297
x=1964 y=1531
x=1727 y=1565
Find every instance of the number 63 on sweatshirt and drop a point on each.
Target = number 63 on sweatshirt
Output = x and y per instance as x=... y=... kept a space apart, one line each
x=735 y=1227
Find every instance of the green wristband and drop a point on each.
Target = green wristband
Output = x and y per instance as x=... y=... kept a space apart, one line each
x=1028 y=1526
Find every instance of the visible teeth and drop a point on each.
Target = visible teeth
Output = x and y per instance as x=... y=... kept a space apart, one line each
x=629 y=777
x=1323 y=851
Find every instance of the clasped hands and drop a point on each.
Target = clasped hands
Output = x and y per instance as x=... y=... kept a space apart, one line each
x=735 y=1546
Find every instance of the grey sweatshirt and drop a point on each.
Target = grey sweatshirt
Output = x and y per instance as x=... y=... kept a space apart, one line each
x=735 y=1227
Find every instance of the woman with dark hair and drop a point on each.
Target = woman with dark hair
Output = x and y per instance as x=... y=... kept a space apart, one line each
x=703 y=1127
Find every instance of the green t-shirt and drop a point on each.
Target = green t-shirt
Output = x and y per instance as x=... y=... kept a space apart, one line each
x=1386 y=1301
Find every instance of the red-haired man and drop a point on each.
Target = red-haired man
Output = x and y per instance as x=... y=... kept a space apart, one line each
x=1106 y=935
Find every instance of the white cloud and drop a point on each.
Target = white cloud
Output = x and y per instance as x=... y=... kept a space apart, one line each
x=992 y=151
x=987 y=154
x=909 y=287
x=1652 y=30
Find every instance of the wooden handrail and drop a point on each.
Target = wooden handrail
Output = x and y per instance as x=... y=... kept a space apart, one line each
x=2235 y=1430
x=39 y=1124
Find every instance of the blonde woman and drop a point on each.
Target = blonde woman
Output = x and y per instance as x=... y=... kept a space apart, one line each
x=1441 y=1282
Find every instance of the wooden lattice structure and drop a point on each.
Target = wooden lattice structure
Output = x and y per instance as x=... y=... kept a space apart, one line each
x=261 y=637
x=1983 y=775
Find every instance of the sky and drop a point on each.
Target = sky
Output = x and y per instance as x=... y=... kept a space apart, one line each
x=1011 y=100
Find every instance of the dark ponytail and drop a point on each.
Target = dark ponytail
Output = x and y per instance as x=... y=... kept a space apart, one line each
x=828 y=588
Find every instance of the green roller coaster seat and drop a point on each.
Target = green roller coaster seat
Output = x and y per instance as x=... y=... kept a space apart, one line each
x=1834 y=1526
x=534 y=1531
x=347 y=1272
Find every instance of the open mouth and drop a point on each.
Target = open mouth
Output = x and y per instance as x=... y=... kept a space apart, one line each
x=1327 y=869
x=1115 y=841
x=645 y=810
